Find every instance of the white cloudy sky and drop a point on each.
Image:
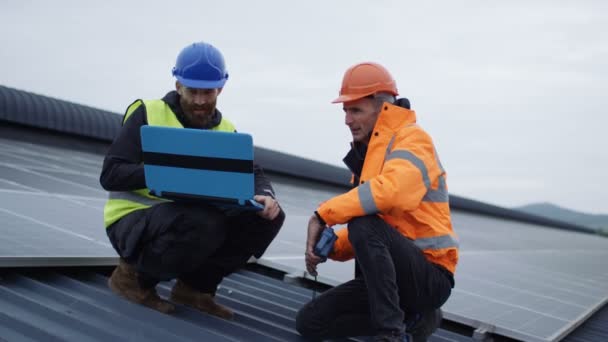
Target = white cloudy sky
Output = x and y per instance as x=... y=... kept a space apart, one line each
x=513 y=92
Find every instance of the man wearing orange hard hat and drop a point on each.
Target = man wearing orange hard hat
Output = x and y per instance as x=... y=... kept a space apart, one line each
x=399 y=229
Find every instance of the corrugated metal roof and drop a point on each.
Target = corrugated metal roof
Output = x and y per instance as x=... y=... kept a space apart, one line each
x=76 y=305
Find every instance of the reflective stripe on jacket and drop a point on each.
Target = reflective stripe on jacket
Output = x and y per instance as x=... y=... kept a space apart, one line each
x=404 y=183
x=121 y=203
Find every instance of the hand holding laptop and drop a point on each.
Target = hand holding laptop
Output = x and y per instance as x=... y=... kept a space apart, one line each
x=271 y=207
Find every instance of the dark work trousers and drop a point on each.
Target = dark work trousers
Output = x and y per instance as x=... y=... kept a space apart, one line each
x=196 y=243
x=396 y=283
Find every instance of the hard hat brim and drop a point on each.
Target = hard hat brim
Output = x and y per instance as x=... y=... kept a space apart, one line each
x=349 y=98
x=200 y=84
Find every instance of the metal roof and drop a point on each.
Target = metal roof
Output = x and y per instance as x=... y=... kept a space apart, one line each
x=76 y=305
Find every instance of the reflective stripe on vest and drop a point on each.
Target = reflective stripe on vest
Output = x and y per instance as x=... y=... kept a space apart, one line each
x=438 y=196
x=121 y=203
x=367 y=199
x=437 y=242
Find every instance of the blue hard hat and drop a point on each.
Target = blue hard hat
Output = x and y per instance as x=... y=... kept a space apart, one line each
x=201 y=65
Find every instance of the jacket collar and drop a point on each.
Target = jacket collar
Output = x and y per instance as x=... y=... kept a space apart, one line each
x=395 y=116
x=392 y=116
x=354 y=159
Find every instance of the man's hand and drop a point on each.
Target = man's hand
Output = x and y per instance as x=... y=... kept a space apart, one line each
x=315 y=228
x=271 y=207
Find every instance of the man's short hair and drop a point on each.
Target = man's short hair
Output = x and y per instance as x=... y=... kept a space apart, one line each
x=380 y=98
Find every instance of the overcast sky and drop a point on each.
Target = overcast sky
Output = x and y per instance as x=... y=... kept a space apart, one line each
x=514 y=93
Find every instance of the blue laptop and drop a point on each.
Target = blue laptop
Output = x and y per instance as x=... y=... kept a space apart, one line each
x=199 y=165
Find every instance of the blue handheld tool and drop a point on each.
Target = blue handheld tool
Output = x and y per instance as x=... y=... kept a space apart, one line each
x=326 y=243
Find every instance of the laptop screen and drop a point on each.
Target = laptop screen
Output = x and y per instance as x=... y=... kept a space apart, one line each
x=196 y=163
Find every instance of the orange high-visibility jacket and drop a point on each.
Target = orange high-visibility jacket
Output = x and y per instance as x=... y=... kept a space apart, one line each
x=404 y=183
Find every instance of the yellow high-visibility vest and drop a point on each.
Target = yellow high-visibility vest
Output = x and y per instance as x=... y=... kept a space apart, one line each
x=121 y=203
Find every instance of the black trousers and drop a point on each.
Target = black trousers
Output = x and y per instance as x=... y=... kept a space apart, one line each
x=395 y=284
x=196 y=243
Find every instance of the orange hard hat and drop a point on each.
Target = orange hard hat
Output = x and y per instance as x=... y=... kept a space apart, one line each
x=364 y=79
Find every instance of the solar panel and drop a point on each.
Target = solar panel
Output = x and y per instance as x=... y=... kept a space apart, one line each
x=49 y=197
x=519 y=280
x=515 y=279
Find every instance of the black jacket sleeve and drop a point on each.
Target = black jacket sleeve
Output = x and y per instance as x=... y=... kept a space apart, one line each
x=262 y=183
x=123 y=169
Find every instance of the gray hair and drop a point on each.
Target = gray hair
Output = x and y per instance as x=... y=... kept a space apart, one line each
x=380 y=98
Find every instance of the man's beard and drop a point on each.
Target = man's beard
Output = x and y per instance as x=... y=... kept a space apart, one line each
x=200 y=120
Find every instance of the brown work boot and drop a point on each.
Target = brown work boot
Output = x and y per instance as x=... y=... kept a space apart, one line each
x=124 y=283
x=186 y=295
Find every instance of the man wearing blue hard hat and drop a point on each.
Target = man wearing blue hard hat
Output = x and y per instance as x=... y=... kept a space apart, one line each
x=160 y=240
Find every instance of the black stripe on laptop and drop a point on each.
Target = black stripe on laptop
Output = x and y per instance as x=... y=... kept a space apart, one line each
x=198 y=163
x=196 y=198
